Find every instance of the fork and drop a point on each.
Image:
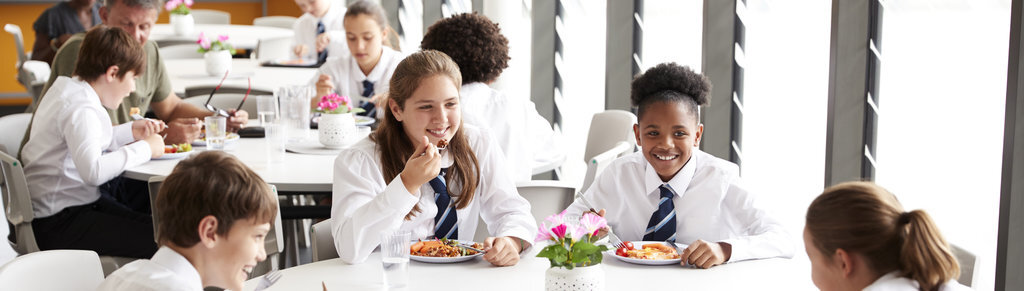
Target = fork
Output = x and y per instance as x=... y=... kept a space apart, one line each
x=269 y=279
x=616 y=242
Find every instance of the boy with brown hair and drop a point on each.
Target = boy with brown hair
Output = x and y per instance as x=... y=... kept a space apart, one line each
x=213 y=214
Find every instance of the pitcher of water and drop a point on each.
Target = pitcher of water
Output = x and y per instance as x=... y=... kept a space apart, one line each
x=295 y=110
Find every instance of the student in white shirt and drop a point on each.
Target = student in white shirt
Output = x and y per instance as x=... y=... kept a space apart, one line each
x=73 y=150
x=319 y=32
x=858 y=237
x=477 y=45
x=672 y=191
x=365 y=74
x=398 y=180
x=212 y=222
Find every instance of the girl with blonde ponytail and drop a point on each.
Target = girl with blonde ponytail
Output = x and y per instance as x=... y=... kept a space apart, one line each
x=858 y=237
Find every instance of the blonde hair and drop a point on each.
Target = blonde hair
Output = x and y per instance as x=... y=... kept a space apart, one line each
x=394 y=146
x=864 y=218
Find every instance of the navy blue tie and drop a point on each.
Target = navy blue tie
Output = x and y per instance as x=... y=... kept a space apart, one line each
x=662 y=226
x=366 y=105
x=321 y=56
x=446 y=221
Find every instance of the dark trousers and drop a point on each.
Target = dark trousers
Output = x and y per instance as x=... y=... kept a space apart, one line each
x=109 y=226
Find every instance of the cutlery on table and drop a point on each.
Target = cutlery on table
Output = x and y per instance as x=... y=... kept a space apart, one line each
x=616 y=242
x=269 y=279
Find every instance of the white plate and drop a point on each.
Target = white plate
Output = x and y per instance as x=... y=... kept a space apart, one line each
x=175 y=156
x=364 y=120
x=639 y=244
x=231 y=137
x=445 y=260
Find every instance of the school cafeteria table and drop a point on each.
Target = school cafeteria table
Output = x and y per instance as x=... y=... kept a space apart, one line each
x=240 y=36
x=477 y=274
x=185 y=73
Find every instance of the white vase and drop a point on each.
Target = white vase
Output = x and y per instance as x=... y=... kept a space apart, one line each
x=579 y=278
x=335 y=129
x=183 y=24
x=217 y=62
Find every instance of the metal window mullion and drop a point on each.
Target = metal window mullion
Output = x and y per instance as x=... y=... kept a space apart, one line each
x=432 y=12
x=723 y=63
x=1009 y=253
x=543 y=56
x=623 y=46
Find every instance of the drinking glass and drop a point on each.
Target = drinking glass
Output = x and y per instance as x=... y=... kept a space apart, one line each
x=267 y=109
x=394 y=253
x=276 y=138
x=216 y=132
x=295 y=110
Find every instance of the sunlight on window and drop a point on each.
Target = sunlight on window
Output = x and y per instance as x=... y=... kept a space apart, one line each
x=672 y=32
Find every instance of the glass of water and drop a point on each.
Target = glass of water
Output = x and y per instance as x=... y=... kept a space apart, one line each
x=394 y=252
x=216 y=132
x=267 y=109
x=295 y=110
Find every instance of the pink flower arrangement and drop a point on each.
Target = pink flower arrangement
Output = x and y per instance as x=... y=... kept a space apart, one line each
x=573 y=241
x=178 y=6
x=332 y=103
x=206 y=45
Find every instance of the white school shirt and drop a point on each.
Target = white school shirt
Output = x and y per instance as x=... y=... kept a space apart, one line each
x=365 y=205
x=348 y=78
x=893 y=282
x=334 y=27
x=73 y=148
x=525 y=137
x=167 y=270
x=710 y=205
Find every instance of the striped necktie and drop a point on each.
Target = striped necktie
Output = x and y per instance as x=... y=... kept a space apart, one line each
x=321 y=56
x=366 y=105
x=446 y=221
x=662 y=226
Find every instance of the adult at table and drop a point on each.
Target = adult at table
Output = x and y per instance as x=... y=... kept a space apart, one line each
x=153 y=88
x=59 y=22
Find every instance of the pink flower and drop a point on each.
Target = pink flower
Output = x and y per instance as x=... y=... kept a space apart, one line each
x=559 y=231
x=593 y=222
x=188 y=3
x=345 y=100
x=171 y=4
x=578 y=232
x=222 y=38
x=202 y=37
x=556 y=219
x=543 y=233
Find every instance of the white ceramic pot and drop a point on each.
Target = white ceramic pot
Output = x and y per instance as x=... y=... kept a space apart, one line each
x=335 y=129
x=217 y=62
x=183 y=24
x=579 y=278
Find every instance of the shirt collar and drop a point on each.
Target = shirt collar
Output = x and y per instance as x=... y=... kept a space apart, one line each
x=378 y=71
x=172 y=260
x=679 y=183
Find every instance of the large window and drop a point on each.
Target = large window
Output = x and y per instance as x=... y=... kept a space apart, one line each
x=672 y=32
x=941 y=104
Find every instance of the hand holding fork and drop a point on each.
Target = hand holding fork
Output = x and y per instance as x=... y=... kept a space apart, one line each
x=616 y=242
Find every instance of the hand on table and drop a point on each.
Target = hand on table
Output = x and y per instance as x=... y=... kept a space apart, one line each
x=143 y=128
x=704 y=254
x=502 y=251
x=237 y=120
x=182 y=130
x=300 y=50
x=423 y=166
x=156 y=145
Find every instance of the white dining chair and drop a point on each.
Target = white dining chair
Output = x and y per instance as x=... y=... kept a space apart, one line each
x=279 y=21
x=53 y=270
x=273 y=49
x=180 y=52
x=546 y=197
x=12 y=132
x=210 y=16
x=31 y=74
x=611 y=136
x=322 y=241
x=968 y=264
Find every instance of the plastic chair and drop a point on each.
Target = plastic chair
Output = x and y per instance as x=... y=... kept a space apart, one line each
x=968 y=263
x=611 y=136
x=31 y=74
x=273 y=49
x=285 y=22
x=210 y=16
x=53 y=270
x=180 y=52
x=323 y=241
x=226 y=101
x=546 y=197
x=12 y=131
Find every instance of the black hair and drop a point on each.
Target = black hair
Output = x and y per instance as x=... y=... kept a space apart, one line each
x=670 y=82
x=474 y=42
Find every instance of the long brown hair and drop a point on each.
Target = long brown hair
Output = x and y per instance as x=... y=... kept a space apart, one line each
x=394 y=146
x=864 y=218
x=375 y=11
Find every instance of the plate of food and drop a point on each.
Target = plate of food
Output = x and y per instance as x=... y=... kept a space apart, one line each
x=648 y=253
x=201 y=141
x=300 y=63
x=444 y=251
x=364 y=120
x=177 y=151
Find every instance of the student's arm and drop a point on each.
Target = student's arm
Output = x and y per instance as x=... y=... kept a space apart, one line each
x=81 y=128
x=765 y=238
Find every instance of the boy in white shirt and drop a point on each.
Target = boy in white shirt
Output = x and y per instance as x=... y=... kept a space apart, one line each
x=319 y=32
x=73 y=150
x=672 y=191
x=212 y=223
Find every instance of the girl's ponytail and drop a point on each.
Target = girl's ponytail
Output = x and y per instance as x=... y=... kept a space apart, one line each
x=925 y=256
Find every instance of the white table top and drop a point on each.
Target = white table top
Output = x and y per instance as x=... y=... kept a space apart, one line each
x=240 y=36
x=297 y=173
x=477 y=274
x=186 y=73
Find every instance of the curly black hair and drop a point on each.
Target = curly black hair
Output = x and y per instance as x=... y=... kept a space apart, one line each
x=669 y=82
x=474 y=42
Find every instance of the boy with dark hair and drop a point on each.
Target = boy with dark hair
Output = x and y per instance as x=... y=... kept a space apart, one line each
x=211 y=225
x=73 y=149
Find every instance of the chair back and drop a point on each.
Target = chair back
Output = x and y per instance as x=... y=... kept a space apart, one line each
x=19 y=42
x=12 y=132
x=154 y=187
x=19 y=204
x=968 y=263
x=210 y=16
x=227 y=101
x=273 y=48
x=53 y=270
x=285 y=22
x=31 y=74
x=180 y=52
x=323 y=241
x=607 y=129
x=546 y=197
x=597 y=164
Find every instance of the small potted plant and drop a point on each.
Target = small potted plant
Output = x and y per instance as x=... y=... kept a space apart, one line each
x=181 y=16
x=336 y=119
x=217 y=54
x=574 y=256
